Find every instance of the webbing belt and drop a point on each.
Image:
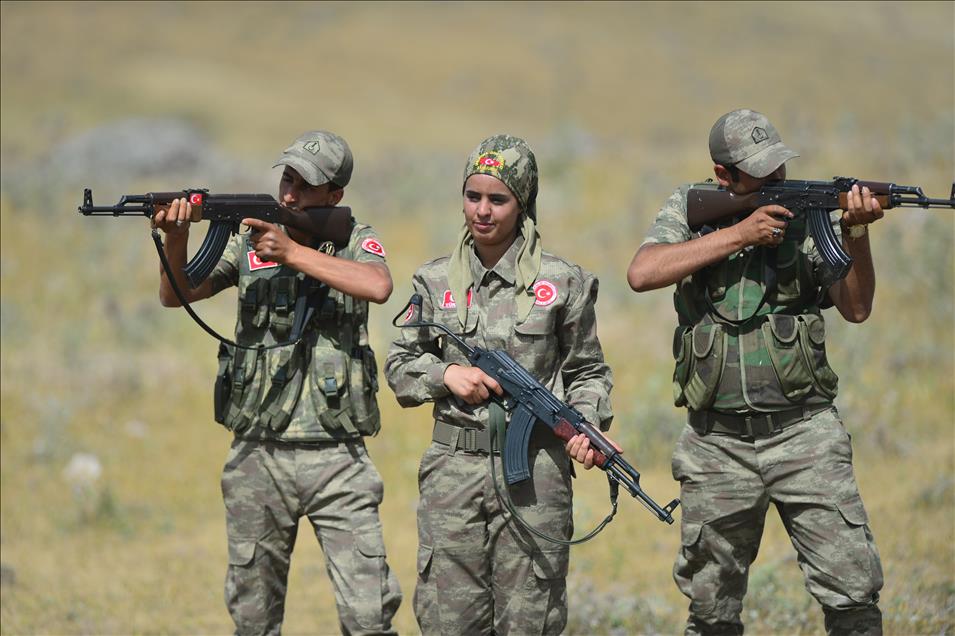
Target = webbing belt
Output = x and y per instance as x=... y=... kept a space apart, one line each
x=757 y=425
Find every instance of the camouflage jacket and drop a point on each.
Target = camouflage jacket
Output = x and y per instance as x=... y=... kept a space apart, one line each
x=771 y=363
x=324 y=387
x=557 y=343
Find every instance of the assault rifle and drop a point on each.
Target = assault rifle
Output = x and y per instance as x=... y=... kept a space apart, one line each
x=225 y=213
x=530 y=402
x=708 y=204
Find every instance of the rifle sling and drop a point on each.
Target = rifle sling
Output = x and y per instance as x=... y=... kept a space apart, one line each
x=209 y=330
x=496 y=425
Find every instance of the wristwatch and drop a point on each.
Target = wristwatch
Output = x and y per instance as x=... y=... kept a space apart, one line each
x=855 y=231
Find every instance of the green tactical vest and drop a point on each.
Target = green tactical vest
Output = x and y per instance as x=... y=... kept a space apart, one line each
x=322 y=388
x=770 y=363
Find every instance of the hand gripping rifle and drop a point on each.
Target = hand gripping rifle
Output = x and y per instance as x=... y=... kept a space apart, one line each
x=708 y=204
x=530 y=402
x=225 y=213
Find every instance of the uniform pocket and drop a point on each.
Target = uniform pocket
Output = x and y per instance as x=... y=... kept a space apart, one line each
x=682 y=345
x=782 y=337
x=363 y=389
x=241 y=552
x=551 y=564
x=329 y=377
x=706 y=366
x=425 y=555
x=812 y=328
x=241 y=407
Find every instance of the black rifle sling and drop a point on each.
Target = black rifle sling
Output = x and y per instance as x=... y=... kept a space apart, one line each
x=297 y=328
x=496 y=425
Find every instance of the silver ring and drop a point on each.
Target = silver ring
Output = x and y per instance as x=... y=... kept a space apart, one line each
x=777 y=231
x=178 y=222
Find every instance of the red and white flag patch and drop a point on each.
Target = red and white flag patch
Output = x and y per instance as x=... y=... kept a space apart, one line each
x=372 y=246
x=257 y=263
x=447 y=301
x=195 y=198
x=545 y=293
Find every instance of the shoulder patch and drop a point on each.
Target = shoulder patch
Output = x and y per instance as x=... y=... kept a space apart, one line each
x=447 y=299
x=545 y=293
x=372 y=246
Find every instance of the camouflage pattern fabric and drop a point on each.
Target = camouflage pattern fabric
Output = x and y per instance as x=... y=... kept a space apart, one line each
x=511 y=160
x=267 y=487
x=334 y=352
x=773 y=363
x=746 y=139
x=767 y=364
x=726 y=487
x=477 y=572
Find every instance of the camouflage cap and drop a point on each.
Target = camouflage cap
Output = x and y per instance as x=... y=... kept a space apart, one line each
x=745 y=139
x=512 y=161
x=319 y=156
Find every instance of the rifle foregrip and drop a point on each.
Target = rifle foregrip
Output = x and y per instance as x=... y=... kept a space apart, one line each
x=565 y=430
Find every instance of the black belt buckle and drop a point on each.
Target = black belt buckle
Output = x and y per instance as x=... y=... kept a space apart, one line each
x=760 y=426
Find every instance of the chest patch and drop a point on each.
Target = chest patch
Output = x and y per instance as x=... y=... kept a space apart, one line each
x=372 y=246
x=447 y=301
x=545 y=293
x=257 y=263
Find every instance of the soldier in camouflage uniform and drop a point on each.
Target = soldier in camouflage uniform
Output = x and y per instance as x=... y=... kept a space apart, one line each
x=762 y=427
x=299 y=412
x=479 y=573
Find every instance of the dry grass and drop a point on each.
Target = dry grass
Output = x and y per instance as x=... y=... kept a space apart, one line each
x=616 y=99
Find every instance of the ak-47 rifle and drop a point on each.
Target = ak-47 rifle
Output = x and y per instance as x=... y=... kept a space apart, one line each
x=225 y=213
x=530 y=402
x=709 y=204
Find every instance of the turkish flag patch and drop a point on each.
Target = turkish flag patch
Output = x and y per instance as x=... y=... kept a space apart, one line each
x=545 y=293
x=257 y=263
x=372 y=246
x=447 y=301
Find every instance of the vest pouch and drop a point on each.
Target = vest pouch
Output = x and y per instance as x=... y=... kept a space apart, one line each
x=706 y=365
x=223 y=385
x=283 y=386
x=242 y=405
x=682 y=346
x=283 y=292
x=781 y=334
x=812 y=339
x=254 y=304
x=363 y=388
x=329 y=377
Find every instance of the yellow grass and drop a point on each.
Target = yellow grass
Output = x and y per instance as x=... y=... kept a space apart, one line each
x=617 y=100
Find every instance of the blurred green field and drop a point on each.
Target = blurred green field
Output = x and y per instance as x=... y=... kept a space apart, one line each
x=617 y=101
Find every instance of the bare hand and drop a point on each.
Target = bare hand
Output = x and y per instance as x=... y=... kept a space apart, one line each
x=173 y=219
x=862 y=207
x=765 y=226
x=470 y=383
x=579 y=449
x=270 y=243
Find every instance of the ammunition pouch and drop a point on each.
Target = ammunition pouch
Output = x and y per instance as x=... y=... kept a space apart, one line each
x=699 y=353
x=797 y=348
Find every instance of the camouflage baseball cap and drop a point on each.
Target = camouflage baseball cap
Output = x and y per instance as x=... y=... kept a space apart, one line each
x=512 y=161
x=745 y=139
x=319 y=156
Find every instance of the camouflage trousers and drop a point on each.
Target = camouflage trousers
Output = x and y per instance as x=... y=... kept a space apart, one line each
x=267 y=487
x=727 y=484
x=478 y=572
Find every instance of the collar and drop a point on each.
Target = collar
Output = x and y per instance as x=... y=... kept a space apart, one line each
x=505 y=268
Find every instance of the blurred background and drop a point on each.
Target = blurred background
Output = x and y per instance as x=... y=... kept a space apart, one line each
x=112 y=520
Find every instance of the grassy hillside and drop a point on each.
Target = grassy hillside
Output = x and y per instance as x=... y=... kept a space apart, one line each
x=112 y=520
